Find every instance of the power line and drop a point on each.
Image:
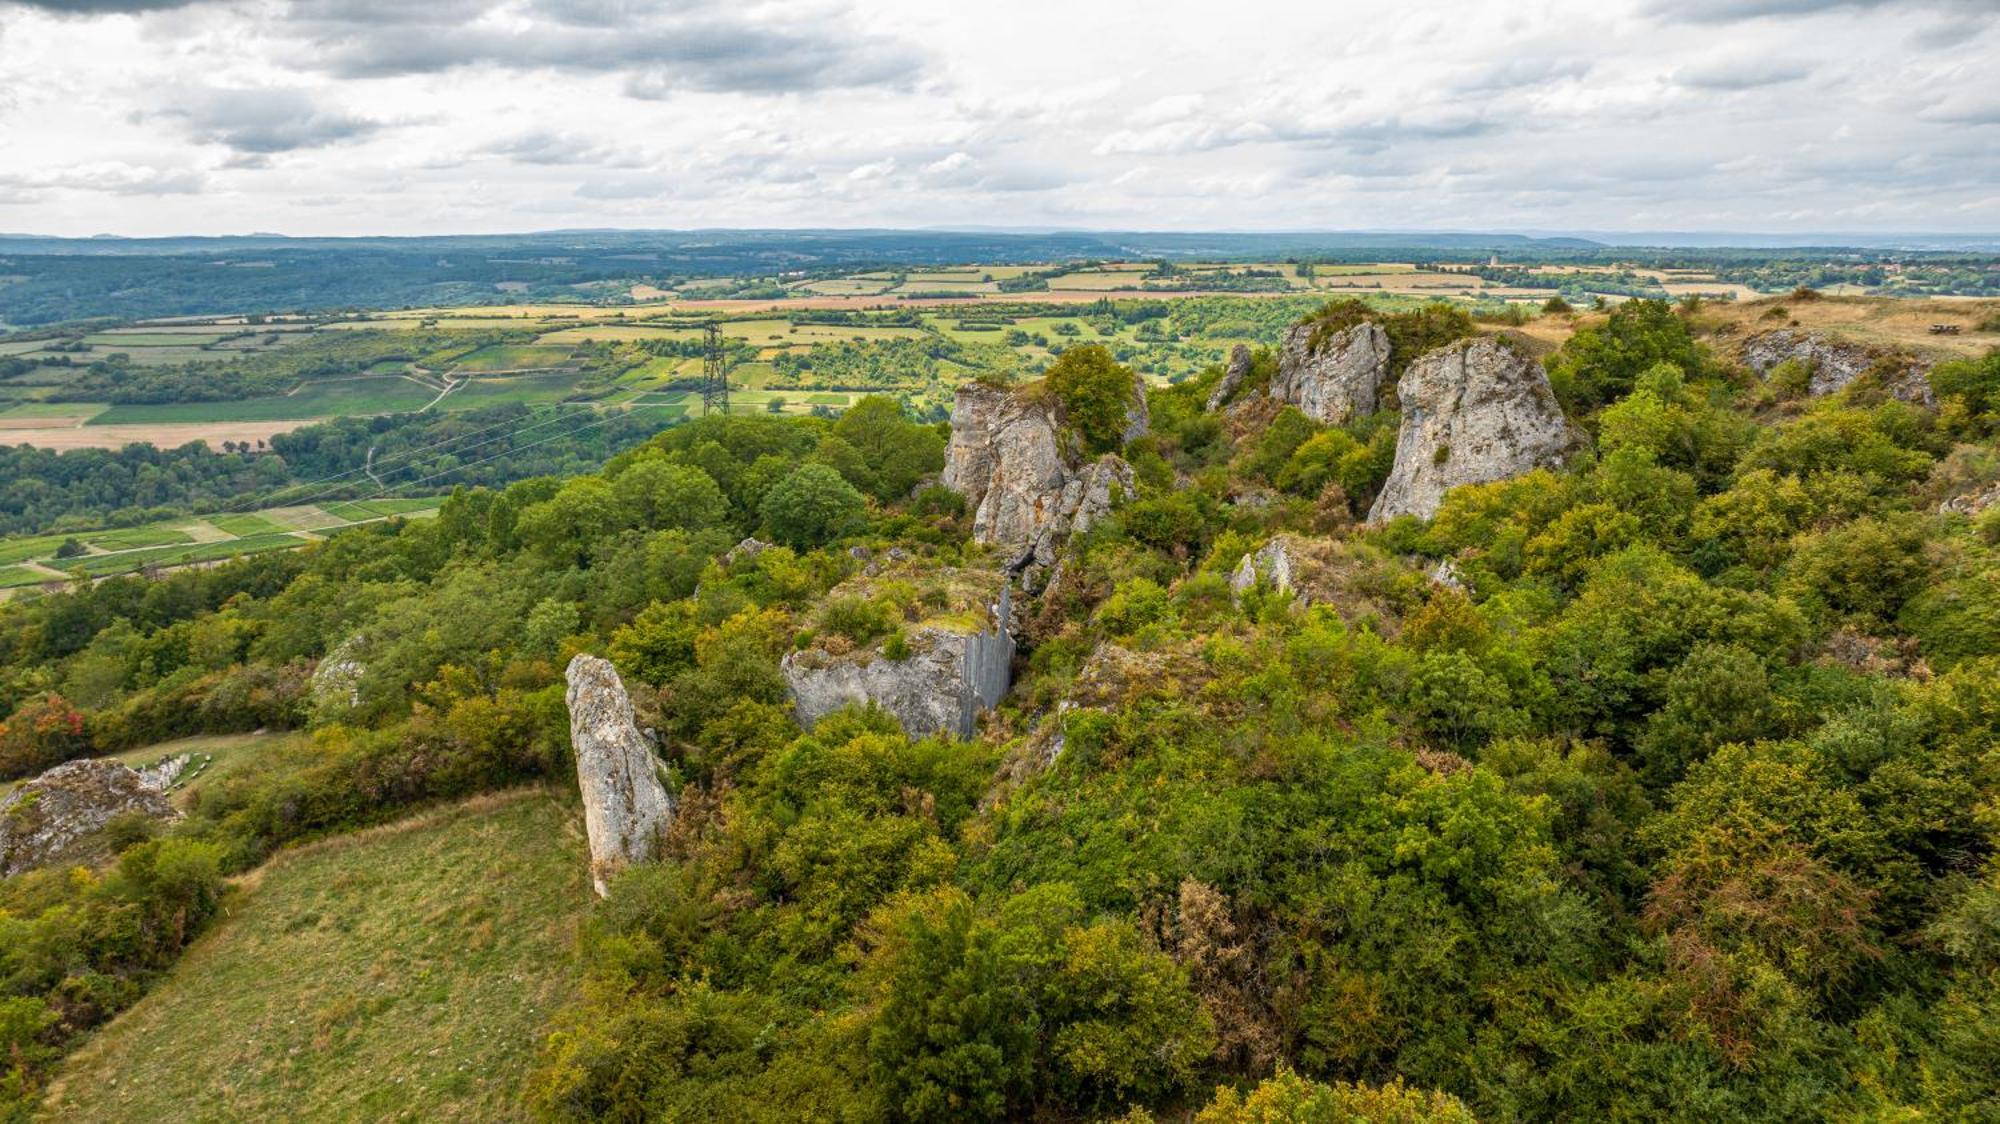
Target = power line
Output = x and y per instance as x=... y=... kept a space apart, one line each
x=308 y=484
x=714 y=377
x=439 y=448
x=601 y=420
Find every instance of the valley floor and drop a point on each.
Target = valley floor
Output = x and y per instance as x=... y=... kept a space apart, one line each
x=400 y=973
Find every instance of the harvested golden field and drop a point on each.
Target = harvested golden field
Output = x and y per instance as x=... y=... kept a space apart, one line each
x=166 y=435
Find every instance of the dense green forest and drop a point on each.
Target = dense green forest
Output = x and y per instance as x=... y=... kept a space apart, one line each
x=1660 y=786
x=43 y=490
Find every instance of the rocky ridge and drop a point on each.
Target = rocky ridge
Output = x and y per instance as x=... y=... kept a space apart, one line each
x=935 y=680
x=1022 y=478
x=1232 y=377
x=1474 y=411
x=56 y=816
x=1834 y=363
x=1337 y=381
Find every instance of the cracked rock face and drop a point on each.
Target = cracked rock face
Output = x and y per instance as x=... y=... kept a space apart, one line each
x=923 y=692
x=1835 y=363
x=1232 y=376
x=56 y=817
x=1026 y=489
x=1473 y=412
x=625 y=807
x=1337 y=381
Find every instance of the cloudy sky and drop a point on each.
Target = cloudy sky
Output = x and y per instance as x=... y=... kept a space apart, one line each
x=464 y=116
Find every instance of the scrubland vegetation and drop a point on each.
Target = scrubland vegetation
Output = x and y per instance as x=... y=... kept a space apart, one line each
x=1672 y=795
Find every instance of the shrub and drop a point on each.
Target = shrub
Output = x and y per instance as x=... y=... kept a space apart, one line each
x=812 y=506
x=1095 y=392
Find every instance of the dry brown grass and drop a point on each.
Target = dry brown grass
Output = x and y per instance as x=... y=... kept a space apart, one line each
x=1884 y=322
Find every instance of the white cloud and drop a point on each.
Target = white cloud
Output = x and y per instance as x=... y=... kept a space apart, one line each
x=494 y=115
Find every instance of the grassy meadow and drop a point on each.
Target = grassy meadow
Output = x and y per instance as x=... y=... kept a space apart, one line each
x=398 y=973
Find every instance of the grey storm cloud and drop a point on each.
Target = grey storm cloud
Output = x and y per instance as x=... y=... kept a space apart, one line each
x=98 y=7
x=263 y=122
x=661 y=47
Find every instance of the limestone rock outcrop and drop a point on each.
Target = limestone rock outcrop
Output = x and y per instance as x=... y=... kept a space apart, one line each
x=1834 y=363
x=1473 y=411
x=1338 y=380
x=748 y=548
x=923 y=690
x=1352 y=577
x=162 y=774
x=1271 y=562
x=336 y=683
x=1232 y=376
x=625 y=807
x=55 y=817
x=934 y=675
x=1971 y=502
x=1026 y=485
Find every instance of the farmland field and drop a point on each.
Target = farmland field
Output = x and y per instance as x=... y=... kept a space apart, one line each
x=356 y=511
x=31 y=559
x=47 y=413
x=490 y=390
x=387 y=394
x=151 y=339
x=99 y=565
x=511 y=357
x=13 y=577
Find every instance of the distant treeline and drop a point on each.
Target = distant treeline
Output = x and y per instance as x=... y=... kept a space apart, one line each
x=46 y=491
x=59 y=280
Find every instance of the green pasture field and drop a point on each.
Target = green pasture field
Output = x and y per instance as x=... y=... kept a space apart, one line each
x=617 y=333
x=52 y=410
x=355 y=511
x=770 y=332
x=151 y=534
x=243 y=525
x=43 y=547
x=101 y=565
x=20 y=347
x=1094 y=281
x=525 y=388
x=151 y=339
x=386 y=394
x=14 y=577
x=512 y=357
x=23 y=549
x=845 y=287
x=914 y=287
x=664 y=414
